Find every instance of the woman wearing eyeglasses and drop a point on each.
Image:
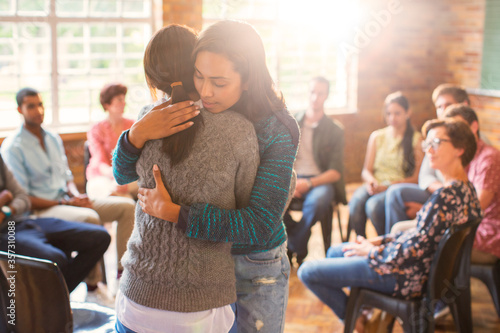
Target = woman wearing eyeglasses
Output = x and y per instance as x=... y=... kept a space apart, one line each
x=393 y=156
x=399 y=264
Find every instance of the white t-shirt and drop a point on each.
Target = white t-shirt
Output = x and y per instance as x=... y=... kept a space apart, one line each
x=304 y=163
x=143 y=319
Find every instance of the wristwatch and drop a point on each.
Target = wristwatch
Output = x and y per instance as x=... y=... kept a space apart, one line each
x=7 y=211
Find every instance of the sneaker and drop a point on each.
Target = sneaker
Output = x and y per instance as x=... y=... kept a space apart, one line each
x=101 y=296
x=441 y=310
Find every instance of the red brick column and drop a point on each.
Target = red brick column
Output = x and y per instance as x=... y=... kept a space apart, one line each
x=187 y=12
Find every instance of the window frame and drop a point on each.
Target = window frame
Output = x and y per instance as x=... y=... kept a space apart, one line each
x=351 y=64
x=52 y=20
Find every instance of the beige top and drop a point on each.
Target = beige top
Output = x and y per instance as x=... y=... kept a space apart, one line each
x=388 y=165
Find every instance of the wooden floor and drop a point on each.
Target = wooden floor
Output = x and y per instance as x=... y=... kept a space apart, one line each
x=307 y=314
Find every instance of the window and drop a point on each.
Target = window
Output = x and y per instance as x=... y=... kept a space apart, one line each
x=68 y=50
x=302 y=40
x=490 y=73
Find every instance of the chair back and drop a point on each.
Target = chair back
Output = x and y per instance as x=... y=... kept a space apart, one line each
x=86 y=160
x=450 y=269
x=39 y=292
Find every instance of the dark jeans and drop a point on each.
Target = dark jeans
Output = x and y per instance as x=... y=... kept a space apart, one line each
x=317 y=203
x=55 y=240
x=362 y=206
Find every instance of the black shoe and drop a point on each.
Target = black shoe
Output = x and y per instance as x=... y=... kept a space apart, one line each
x=300 y=259
x=290 y=257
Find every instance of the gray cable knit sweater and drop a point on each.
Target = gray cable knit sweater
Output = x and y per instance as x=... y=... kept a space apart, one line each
x=164 y=269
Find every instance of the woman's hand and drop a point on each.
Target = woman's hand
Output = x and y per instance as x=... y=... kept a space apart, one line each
x=301 y=188
x=162 y=121
x=361 y=248
x=371 y=186
x=157 y=201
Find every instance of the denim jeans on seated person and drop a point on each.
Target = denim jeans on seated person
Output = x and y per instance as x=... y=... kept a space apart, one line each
x=56 y=240
x=326 y=278
x=316 y=205
x=262 y=288
x=364 y=205
x=395 y=199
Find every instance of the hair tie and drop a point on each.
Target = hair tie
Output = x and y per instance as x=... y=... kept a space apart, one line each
x=177 y=83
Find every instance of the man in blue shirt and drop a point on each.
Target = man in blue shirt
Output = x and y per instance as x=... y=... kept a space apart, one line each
x=47 y=238
x=38 y=161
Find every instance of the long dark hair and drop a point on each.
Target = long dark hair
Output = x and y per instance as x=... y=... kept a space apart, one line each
x=242 y=45
x=169 y=67
x=407 y=141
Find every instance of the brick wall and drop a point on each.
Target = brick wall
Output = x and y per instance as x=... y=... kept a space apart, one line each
x=404 y=56
x=426 y=43
x=463 y=48
x=186 y=12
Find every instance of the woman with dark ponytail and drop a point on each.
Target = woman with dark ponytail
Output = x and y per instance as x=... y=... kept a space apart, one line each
x=393 y=156
x=172 y=283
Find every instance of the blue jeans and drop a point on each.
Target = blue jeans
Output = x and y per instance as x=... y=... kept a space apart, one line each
x=326 y=278
x=55 y=240
x=317 y=203
x=262 y=287
x=396 y=197
x=362 y=206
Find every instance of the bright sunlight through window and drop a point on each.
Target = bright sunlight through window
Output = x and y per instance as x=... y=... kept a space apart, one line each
x=302 y=40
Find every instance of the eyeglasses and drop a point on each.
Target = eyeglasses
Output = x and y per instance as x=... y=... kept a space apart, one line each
x=434 y=143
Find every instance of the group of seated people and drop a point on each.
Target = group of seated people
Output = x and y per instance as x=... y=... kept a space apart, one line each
x=456 y=181
x=459 y=174
x=39 y=194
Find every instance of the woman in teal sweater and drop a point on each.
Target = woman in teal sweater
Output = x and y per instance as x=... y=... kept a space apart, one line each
x=258 y=233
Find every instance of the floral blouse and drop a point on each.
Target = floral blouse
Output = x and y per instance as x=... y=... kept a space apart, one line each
x=408 y=255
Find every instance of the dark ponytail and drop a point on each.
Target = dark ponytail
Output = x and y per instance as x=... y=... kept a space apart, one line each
x=169 y=67
x=407 y=141
x=408 y=152
x=178 y=146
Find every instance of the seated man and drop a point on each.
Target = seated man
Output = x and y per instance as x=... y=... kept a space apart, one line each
x=38 y=162
x=404 y=200
x=319 y=168
x=47 y=238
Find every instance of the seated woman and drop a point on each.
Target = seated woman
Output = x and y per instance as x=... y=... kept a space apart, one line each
x=391 y=264
x=102 y=139
x=393 y=156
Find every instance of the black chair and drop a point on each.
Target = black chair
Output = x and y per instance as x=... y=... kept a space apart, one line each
x=490 y=276
x=42 y=300
x=86 y=160
x=326 y=222
x=449 y=281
